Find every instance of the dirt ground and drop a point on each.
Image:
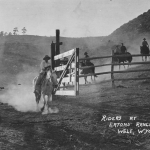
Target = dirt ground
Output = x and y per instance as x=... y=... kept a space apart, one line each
x=79 y=124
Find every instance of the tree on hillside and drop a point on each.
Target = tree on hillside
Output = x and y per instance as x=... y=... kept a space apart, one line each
x=9 y=33
x=15 y=31
x=2 y=33
x=5 y=34
x=24 y=30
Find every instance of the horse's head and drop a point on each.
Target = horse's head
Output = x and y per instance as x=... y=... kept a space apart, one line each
x=48 y=74
x=52 y=76
x=81 y=63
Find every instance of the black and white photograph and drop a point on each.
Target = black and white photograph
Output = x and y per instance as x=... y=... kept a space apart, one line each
x=74 y=75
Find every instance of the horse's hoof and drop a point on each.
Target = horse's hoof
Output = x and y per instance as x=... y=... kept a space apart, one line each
x=50 y=111
x=44 y=113
x=55 y=110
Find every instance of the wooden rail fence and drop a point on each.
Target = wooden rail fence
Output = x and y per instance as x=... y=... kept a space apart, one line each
x=112 y=64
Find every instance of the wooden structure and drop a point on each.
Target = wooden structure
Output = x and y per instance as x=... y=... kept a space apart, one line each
x=72 y=65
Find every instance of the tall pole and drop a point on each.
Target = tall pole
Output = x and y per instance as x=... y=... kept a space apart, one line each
x=52 y=55
x=57 y=52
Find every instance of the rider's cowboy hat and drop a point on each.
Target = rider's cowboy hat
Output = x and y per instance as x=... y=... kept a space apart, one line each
x=85 y=53
x=144 y=39
x=46 y=57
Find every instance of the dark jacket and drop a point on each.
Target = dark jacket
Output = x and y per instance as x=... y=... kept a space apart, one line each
x=123 y=49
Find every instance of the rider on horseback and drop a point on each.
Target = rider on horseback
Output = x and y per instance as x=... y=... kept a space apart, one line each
x=45 y=64
x=117 y=50
x=145 y=43
x=87 y=60
x=123 y=49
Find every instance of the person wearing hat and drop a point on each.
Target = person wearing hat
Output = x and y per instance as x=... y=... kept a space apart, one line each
x=145 y=43
x=123 y=49
x=45 y=63
x=86 y=56
x=43 y=66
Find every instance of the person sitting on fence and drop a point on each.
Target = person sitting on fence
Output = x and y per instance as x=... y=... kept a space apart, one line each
x=45 y=64
x=87 y=60
x=145 y=43
x=123 y=49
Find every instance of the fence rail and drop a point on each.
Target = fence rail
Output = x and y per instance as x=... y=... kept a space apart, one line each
x=108 y=72
x=112 y=64
x=115 y=64
x=110 y=56
x=131 y=79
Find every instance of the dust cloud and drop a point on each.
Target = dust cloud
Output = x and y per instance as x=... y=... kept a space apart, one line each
x=20 y=94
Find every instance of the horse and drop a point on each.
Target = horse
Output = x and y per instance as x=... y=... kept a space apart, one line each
x=117 y=51
x=47 y=88
x=126 y=58
x=144 y=50
x=87 y=70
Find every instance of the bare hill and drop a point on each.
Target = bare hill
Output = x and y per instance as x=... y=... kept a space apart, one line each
x=133 y=30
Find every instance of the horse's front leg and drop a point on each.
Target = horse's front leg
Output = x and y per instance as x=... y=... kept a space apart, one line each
x=94 y=77
x=124 y=66
x=119 y=66
x=85 y=79
x=44 y=111
x=49 y=103
x=37 y=98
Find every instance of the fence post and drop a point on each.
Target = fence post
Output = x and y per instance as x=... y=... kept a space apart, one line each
x=58 y=43
x=112 y=69
x=76 y=80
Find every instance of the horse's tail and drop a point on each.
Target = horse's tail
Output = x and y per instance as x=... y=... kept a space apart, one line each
x=34 y=82
x=93 y=71
x=129 y=57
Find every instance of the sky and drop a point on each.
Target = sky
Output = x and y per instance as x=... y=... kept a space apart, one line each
x=74 y=18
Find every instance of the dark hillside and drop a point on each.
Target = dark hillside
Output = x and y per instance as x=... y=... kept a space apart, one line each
x=134 y=30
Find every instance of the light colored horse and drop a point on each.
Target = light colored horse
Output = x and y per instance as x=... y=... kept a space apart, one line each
x=47 y=88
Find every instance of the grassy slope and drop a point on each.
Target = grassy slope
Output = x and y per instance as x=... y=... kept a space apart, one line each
x=24 y=50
